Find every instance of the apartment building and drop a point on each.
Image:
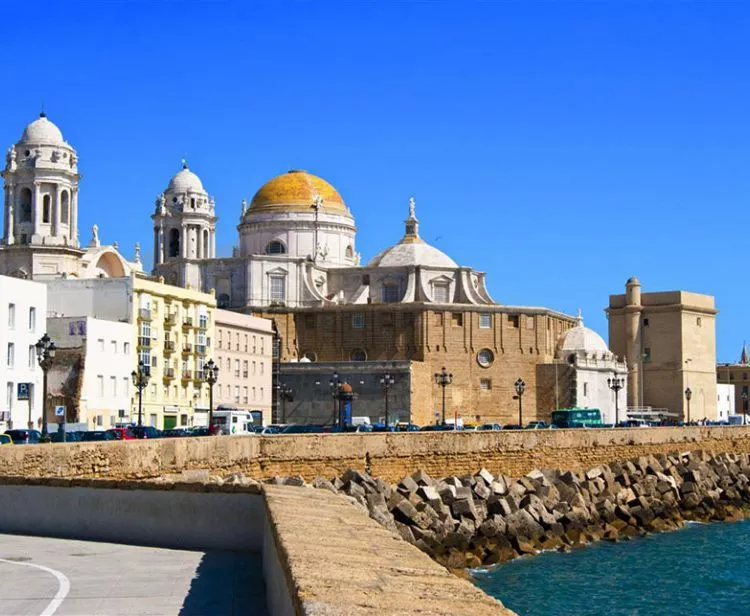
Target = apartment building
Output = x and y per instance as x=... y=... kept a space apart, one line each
x=23 y=306
x=243 y=351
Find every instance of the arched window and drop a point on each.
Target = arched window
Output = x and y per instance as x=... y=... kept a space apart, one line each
x=46 y=208
x=358 y=355
x=223 y=300
x=64 y=207
x=349 y=252
x=192 y=203
x=275 y=248
x=25 y=203
x=174 y=243
x=205 y=243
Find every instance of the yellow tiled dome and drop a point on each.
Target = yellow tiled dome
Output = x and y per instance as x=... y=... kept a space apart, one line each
x=296 y=191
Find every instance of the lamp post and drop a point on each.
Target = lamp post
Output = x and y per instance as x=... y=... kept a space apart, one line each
x=443 y=378
x=616 y=384
x=286 y=393
x=520 y=387
x=45 y=354
x=386 y=382
x=210 y=375
x=335 y=384
x=140 y=380
x=688 y=395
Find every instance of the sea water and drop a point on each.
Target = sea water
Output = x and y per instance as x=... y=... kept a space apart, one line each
x=701 y=570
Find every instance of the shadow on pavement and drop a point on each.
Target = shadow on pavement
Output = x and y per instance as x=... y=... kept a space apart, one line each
x=227 y=583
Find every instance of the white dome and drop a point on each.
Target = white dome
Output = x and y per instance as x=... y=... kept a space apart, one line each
x=42 y=131
x=412 y=253
x=185 y=181
x=581 y=338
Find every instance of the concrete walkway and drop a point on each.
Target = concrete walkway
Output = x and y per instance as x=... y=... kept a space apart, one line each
x=342 y=563
x=41 y=576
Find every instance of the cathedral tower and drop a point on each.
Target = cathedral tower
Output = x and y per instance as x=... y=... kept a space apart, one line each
x=41 y=189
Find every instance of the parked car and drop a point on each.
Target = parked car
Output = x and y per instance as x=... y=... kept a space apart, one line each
x=490 y=426
x=440 y=428
x=200 y=431
x=537 y=425
x=70 y=437
x=145 y=432
x=96 y=435
x=24 y=437
x=122 y=434
x=407 y=427
x=512 y=427
x=5 y=439
x=304 y=429
x=176 y=433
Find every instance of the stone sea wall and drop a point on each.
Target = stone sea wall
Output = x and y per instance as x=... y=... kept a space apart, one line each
x=483 y=519
x=388 y=456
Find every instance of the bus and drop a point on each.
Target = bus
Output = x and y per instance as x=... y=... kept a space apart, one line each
x=577 y=418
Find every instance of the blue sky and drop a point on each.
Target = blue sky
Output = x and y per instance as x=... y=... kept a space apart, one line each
x=560 y=147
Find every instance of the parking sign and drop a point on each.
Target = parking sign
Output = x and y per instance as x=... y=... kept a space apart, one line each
x=59 y=411
x=23 y=391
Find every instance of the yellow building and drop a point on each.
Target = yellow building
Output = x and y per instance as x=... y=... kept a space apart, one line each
x=173 y=338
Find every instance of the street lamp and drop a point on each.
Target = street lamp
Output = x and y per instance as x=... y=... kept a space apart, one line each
x=616 y=384
x=45 y=353
x=443 y=378
x=520 y=386
x=688 y=395
x=140 y=380
x=386 y=382
x=210 y=375
x=335 y=384
x=287 y=394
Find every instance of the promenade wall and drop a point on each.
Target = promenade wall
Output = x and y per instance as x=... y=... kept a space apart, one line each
x=386 y=455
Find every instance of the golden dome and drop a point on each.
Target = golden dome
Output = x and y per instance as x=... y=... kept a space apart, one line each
x=296 y=191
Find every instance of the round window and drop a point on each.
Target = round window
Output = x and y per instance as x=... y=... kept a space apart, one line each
x=358 y=355
x=485 y=357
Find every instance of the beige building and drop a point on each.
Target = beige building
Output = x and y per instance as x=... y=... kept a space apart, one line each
x=669 y=342
x=171 y=334
x=243 y=351
x=738 y=375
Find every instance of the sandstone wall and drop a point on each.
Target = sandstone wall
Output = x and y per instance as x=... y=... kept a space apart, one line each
x=390 y=456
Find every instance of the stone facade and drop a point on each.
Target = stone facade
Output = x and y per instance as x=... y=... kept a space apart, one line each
x=669 y=342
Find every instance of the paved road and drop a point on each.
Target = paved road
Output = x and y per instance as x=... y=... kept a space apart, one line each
x=42 y=577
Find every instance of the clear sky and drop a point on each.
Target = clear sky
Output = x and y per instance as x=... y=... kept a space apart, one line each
x=560 y=147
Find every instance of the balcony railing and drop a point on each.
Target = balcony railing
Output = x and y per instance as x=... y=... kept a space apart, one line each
x=169 y=320
x=188 y=322
x=202 y=324
x=187 y=348
x=145 y=314
x=201 y=349
x=168 y=346
x=144 y=342
x=168 y=373
x=187 y=375
x=244 y=374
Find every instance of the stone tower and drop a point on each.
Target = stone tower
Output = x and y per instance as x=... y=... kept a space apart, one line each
x=633 y=343
x=41 y=189
x=184 y=221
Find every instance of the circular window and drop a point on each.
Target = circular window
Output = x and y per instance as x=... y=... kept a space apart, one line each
x=485 y=357
x=174 y=199
x=358 y=355
x=27 y=152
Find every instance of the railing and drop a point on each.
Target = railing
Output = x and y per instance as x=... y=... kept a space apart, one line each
x=168 y=373
x=201 y=349
x=169 y=320
x=168 y=346
x=188 y=322
x=187 y=375
x=145 y=314
x=244 y=374
x=187 y=348
x=144 y=342
x=202 y=324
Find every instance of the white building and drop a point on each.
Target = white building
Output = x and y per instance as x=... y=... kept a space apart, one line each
x=594 y=365
x=23 y=308
x=104 y=375
x=40 y=237
x=724 y=401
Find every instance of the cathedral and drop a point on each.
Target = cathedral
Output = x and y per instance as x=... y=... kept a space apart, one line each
x=297 y=264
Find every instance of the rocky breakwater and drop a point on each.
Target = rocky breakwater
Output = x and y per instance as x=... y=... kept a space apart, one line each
x=483 y=519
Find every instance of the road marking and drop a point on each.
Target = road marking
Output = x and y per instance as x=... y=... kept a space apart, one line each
x=62 y=592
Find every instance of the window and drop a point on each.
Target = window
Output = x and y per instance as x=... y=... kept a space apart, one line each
x=390 y=293
x=439 y=319
x=254 y=344
x=254 y=368
x=46 y=208
x=513 y=320
x=244 y=395
x=647 y=354
x=457 y=319
x=485 y=384
x=261 y=368
x=645 y=322
x=244 y=369
x=25 y=205
x=253 y=393
x=349 y=252
x=100 y=344
x=64 y=207
x=698 y=321
x=485 y=357
x=113 y=344
x=440 y=293
x=585 y=390
x=113 y=385
x=11 y=316
x=32 y=355
x=278 y=288
x=9 y=395
x=11 y=355
x=358 y=320
x=245 y=343
x=485 y=321
x=275 y=248
x=221 y=337
x=237 y=341
x=309 y=356
x=32 y=319
x=126 y=348
x=100 y=384
x=358 y=355
x=236 y=367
